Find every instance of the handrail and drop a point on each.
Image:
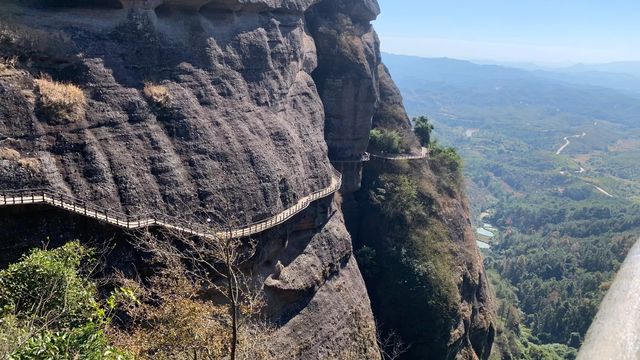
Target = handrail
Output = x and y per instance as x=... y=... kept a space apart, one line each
x=54 y=198
x=424 y=153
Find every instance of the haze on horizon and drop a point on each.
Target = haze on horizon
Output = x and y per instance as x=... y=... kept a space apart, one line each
x=547 y=32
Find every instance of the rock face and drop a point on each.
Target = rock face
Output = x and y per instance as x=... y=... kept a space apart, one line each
x=192 y=109
x=222 y=109
x=358 y=93
x=347 y=79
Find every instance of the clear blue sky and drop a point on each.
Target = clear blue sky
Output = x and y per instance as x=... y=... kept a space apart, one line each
x=542 y=31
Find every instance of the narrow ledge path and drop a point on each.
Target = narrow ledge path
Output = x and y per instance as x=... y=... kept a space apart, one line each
x=61 y=201
x=424 y=153
x=51 y=197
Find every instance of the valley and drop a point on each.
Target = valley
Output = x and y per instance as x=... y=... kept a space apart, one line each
x=554 y=167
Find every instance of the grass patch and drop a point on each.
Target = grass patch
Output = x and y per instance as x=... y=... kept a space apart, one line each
x=9 y=154
x=158 y=94
x=31 y=164
x=60 y=102
x=8 y=66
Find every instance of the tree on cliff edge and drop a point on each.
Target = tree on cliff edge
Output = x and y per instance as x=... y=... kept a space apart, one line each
x=423 y=129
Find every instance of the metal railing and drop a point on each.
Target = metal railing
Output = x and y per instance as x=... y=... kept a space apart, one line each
x=65 y=202
x=424 y=153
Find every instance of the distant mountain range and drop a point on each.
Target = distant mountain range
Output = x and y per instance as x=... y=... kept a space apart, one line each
x=622 y=67
x=621 y=76
x=471 y=94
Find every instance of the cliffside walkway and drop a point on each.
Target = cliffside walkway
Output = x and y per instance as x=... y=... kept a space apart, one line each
x=424 y=153
x=61 y=201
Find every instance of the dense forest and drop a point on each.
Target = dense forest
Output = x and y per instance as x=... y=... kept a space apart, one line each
x=561 y=240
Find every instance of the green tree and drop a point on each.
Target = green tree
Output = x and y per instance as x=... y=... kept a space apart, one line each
x=423 y=128
x=385 y=141
x=48 y=308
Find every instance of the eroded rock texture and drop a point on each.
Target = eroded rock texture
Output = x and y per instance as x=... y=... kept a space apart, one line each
x=231 y=126
x=347 y=78
x=245 y=102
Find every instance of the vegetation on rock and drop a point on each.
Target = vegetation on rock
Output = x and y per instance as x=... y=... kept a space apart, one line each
x=386 y=141
x=59 y=102
x=158 y=94
x=407 y=251
x=49 y=308
x=423 y=129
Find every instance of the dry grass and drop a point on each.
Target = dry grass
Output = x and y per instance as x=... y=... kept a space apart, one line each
x=8 y=65
x=9 y=154
x=158 y=94
x=61 y=102
x=31 y=164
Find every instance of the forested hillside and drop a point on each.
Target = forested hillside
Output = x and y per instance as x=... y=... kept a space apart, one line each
x=553 y=171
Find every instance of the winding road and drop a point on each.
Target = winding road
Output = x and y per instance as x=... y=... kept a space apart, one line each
x=568 y=142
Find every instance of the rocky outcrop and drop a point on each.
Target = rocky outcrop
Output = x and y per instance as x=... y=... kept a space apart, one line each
x=431 y=265
x=347 y=79
x=358 y=94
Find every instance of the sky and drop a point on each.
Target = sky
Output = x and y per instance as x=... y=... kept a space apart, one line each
x=539 y=31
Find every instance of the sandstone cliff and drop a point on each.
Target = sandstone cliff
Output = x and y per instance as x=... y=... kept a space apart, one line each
x=221 y=110
x=358 y=93
x=240 y=122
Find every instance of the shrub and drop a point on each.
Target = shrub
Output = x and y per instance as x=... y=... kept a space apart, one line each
x=86 y=342
x=385 y=141
x=158 y=94
x=396 y=196
x=48 y=309
x=447 y=163
x=175 y=319
x=60 y=102
x=47 y=282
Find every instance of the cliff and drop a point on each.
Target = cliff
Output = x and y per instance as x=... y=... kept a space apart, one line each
x=447 y=313
x=227 y=110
